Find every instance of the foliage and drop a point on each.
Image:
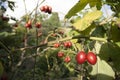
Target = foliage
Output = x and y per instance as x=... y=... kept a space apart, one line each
x=28 y=53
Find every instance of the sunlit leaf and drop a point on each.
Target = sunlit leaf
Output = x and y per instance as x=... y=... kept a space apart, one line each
x=86 y=21
x=102 y=70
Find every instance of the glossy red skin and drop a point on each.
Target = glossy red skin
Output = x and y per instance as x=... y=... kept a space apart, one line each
x=81 y=57
x=28 y=24
x=67 y=44
x=56 y=45
x=38 y=25
x=49 y=9
x=91 y=58
x=60 y=54
x=46 y=9
x=42 y=8
x=67 y=59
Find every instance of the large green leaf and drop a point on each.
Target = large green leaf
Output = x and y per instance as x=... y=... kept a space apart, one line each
x=111 y=51
x=102 y=70
x=96 y=3
x=76 y=8
x=86 y=21
x=115 y=32
x=81 y=5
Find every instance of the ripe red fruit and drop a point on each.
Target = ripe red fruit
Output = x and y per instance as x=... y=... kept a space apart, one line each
x=60 y=54
x=67 y=59
x=67 y=44
x=56 y=45
x=42 y=8
x=81 y=57
x=49 y=9
x=38 y=25
x=28 y=24
x=91 y=58
x=46 y=9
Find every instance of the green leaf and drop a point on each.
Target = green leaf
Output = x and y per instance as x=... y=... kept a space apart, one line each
x=102 y=70
x=118 y=44
x=76 y=8
x=96 y=3
x=81 y=5
x=89 y=30
x=111 y=51
x=99 y=31
x=115 y=33
x=86 y=21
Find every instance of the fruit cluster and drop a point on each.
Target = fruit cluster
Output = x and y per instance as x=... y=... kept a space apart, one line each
x=46 y=9
x=81 y=57
x=61 y=54
x=66 y=59
x=29 y=24
x=66 y=44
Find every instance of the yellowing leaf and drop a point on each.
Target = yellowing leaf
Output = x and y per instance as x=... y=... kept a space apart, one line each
x=74 y=40
x=93 y=15
x=86 y=21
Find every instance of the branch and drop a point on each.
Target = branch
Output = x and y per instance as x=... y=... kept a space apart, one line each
x=63 y=39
